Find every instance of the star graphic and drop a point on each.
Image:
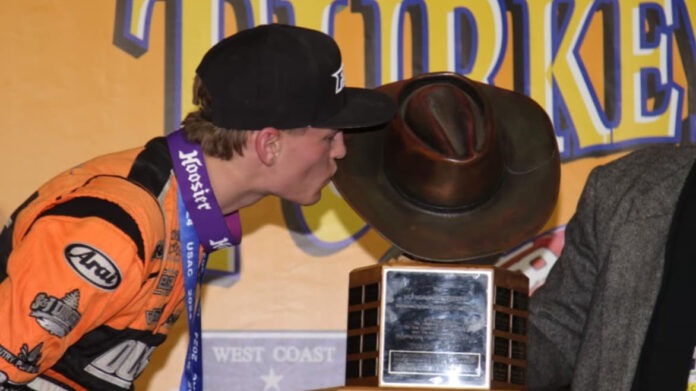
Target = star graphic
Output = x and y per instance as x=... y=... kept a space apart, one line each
x=271 y=380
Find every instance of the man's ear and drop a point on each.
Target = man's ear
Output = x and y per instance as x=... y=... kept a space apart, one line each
x=267 y=145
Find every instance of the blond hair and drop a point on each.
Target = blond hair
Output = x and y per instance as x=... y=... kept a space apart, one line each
x=214 y=141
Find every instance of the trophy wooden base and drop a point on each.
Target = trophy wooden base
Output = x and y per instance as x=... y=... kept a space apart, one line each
x=412 y=323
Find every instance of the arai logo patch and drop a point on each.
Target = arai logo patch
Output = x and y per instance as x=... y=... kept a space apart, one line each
x=93 y=266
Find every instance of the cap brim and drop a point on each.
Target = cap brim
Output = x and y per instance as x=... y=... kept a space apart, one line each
x=363 y=108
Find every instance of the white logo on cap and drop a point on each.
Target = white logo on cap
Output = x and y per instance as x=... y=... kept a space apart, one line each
x=340 y=79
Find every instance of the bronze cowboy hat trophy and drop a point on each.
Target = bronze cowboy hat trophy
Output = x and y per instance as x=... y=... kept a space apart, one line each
x=464 y=172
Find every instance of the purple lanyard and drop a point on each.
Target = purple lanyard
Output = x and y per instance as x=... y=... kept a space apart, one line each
x=200 y=222
x=215 y=231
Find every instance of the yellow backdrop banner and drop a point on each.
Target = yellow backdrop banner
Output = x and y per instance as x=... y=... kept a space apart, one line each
x=81 y=78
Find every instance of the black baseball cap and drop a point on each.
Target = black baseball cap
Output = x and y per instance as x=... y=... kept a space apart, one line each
x=286 y=77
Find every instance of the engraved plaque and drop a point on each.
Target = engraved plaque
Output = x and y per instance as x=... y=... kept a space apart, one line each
x=435 y=327
x=443 y=326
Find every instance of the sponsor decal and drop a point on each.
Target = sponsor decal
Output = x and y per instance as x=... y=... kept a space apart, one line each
x=93 y=266
x=121 y=364
x=174 y=244
x=171 y=319
x=58 y=316
x=166 y=282
x=153 y=315
x=27 y=360
x=273 y=361
x=159 y=251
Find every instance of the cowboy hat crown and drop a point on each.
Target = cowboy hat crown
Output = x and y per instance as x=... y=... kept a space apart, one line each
x=464 y=171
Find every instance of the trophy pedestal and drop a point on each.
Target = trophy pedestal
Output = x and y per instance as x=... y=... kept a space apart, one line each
x=421 y=325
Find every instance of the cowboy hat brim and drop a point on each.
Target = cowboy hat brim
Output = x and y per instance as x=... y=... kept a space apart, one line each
x=518 y=209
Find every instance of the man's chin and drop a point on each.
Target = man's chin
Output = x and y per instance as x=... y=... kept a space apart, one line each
x=309 y=202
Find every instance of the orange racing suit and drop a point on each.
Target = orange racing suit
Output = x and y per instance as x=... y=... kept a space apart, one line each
x=90 y=274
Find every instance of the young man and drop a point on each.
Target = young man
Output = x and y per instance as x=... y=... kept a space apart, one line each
x=98 y=263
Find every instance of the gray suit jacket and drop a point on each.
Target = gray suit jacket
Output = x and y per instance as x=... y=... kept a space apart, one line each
x=589 y=320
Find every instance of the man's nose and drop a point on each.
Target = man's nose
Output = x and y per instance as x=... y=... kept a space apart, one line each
x=339 y=148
